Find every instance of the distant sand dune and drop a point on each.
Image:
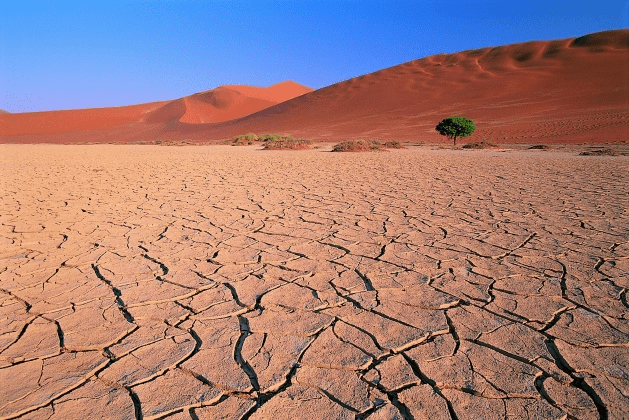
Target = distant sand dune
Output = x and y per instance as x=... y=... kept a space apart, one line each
x=52 y=122
x=222 y=104
x=217 y=105
x=563 y=91
x=227 y=103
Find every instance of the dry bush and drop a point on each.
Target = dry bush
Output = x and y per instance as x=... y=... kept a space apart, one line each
x=540 y=147
x=602 y=152
x=241 y=142
x=394 y=145
x=274 y=137
x=479 y=145
x=171 y=142
x=289 y=144
x=358 y=146
x=244 y=139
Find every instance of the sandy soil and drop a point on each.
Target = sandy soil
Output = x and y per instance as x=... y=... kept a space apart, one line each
x=218 y=282
x=565 y=91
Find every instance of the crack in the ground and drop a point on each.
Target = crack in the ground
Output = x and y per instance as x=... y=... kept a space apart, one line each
x=118 y=295
x=577 y=382
x=244 y=365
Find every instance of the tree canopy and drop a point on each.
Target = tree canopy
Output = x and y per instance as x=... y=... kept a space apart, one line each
x=453 y=127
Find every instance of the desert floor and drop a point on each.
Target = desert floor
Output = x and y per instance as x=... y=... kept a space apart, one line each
x=228 y=283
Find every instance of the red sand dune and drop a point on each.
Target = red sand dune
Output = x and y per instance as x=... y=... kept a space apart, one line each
x=227 y=103
x=230 y=102
x=566 y=91
x=80 y=120
x=110 y=124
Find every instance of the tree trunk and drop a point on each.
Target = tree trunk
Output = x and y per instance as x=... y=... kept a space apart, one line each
x=455 y=140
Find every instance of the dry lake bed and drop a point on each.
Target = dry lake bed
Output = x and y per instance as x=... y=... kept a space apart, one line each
x=141 y=282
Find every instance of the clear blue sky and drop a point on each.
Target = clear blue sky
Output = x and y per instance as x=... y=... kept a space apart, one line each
x=84 y=54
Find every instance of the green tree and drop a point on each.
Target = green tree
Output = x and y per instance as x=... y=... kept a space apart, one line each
x=453 y=127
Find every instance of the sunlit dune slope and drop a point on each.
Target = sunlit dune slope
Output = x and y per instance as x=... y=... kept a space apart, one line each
x=564 y=91
x=276 y=93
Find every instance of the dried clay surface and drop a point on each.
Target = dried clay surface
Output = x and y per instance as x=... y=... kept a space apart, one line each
x=222 y=283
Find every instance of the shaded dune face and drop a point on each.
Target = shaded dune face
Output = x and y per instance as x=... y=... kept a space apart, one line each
x=170 y=112
x=603 y=40
x=563 y=91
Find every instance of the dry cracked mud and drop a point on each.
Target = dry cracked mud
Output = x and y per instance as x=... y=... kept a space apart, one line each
x=222 y=283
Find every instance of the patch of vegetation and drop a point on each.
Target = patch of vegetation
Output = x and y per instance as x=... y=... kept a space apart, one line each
x=288 y=144
x=273 y=137
x=394 y=145
x=540 y=147
x=453 y=127
x=161 y=142
x=244 y=139
x=241 y=142
x=358 y=146
x=479 y=145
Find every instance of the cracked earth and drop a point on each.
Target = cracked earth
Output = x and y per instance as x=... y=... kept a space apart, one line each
x=230 y=283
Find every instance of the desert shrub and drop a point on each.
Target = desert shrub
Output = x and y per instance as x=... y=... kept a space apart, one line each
x=358 y=146
x=241 y=142
x=248 y=136
x=274 y=137
x=244 y=139
x=393 y=145
x=289 y=144
x=180 y=143
x=479 y=145
x=539 y=147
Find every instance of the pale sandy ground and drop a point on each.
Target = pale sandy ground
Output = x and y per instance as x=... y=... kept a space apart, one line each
x=228 y=283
